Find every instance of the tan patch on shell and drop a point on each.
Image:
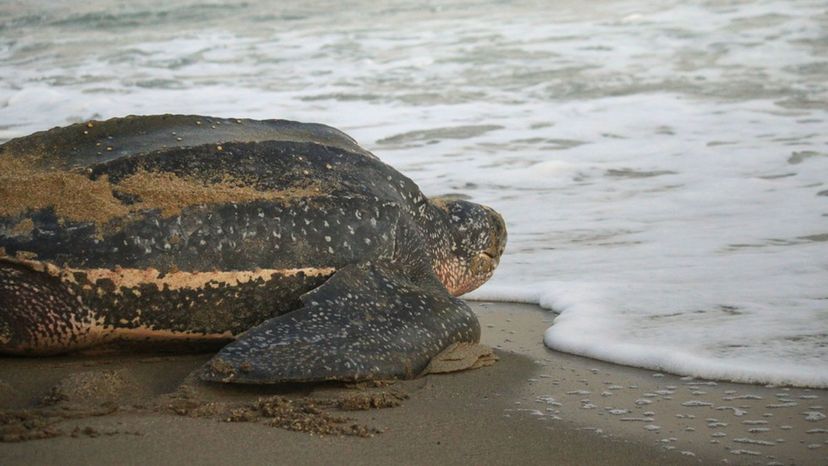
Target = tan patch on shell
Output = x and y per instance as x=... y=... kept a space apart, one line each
x=133 y=278
x=144 y=333
x=26 y=184
x=23 y=228
x=89 y=328
x=170 y=193
x=26 y=255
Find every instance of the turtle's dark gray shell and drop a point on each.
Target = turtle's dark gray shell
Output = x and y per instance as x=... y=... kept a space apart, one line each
x=195 y=228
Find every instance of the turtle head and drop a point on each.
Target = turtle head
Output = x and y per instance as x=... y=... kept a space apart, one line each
x=476 y=239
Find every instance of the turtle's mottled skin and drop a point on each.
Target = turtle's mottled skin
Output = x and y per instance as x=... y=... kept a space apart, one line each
x=319 y=260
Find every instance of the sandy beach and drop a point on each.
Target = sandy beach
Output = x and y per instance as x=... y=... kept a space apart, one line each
x=661 y=169
x=534 y=406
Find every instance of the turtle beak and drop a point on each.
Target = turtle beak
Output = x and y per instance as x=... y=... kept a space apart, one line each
x=499 y=236
x=483 y=266
x=492 y=257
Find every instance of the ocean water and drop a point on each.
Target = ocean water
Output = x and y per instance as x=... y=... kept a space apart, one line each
x=662 y=166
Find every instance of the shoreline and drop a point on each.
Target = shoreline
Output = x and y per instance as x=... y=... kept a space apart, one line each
x=533 y=406
x=709 y=420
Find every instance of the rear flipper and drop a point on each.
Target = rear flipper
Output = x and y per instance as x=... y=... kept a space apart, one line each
x=367 y=321
x=38 y=313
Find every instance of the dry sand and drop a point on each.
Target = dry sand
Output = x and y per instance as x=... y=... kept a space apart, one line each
x=534 y=406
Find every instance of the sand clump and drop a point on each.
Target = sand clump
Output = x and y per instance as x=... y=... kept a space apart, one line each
x=307 y=416
x=40 y=423
x=77 y=396
x=304 y=414
x=90 y=388
x=23 y=228
x=73 y=196
x=371 y=400
x=96 y=393
x=23 y=425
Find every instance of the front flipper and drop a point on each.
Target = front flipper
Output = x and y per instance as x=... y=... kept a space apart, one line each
x=366 y=322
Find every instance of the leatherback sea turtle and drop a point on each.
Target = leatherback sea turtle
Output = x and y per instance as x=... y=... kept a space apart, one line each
x=319 y=260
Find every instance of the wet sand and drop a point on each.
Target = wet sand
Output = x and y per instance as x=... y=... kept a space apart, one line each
x=709 y=421
x=534 y=406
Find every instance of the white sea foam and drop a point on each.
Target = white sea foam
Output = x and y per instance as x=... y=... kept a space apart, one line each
x=661 y=167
